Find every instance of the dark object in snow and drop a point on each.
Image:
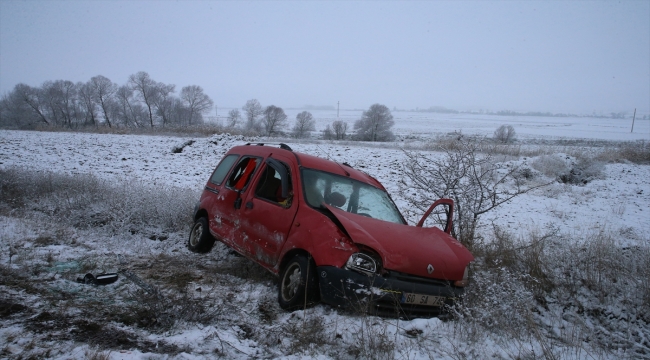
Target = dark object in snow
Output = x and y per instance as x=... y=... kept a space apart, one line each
x=179 y=149
x=101 y=279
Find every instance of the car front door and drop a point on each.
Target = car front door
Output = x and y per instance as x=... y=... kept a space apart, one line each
x=269 y=210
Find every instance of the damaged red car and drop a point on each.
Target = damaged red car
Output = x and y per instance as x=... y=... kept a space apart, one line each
x=330 y=232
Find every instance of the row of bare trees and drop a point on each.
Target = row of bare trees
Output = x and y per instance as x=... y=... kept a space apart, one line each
x=144 y=102
x=375 y=123
x=270 y=120
x=141 y=102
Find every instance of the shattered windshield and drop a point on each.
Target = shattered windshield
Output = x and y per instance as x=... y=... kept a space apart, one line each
x=349 y=195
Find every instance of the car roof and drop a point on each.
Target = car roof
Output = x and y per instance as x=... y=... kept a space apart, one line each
x=307 y=161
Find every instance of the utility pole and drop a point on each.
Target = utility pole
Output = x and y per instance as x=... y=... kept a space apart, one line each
x=337 y=110
x=633 y=117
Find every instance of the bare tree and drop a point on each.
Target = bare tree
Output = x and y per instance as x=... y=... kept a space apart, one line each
x=505 y=134
x=146 y=89
x=16 y=111
x=274 y=119
x=234 y=116
x=304 y=122
x=33 y=98
x=252 y=109
x=103 y=91
x=130 y=112
x=51 y=99
x=328 y=134
x=61 y=100
x=87 y=101
x=375 y=124
x=164 y=101
x=196 y=101
x=475 y=182
x=340 y=129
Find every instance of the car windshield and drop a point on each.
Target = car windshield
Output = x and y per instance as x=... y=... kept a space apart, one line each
x=349 y=195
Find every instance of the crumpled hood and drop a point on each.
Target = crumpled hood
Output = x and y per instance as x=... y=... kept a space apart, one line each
x=408 y=249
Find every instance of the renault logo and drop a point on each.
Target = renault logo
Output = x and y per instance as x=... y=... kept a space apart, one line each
x=430 y=268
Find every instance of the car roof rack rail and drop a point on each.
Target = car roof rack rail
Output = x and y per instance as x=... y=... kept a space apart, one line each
x=282 y=145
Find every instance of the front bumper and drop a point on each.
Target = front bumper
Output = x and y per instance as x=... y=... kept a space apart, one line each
x=382 y=295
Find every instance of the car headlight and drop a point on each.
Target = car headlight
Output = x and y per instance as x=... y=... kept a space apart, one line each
x=465 y=281
x=362 y=263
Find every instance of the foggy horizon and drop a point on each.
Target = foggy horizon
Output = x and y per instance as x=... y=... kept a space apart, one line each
x=558 y=57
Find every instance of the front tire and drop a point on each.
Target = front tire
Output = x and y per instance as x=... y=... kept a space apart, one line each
x=298 y=287
x=200 y=241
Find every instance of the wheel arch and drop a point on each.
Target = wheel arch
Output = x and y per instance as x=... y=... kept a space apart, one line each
x=290 y=254
x=201 y=213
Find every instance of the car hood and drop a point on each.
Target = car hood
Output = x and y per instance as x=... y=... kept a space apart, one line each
x=408 y=249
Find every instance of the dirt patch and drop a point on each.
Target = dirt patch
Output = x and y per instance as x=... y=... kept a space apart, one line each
x=8 y=308
x=94 y=333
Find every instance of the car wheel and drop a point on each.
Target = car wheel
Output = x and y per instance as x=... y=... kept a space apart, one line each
x=298 y=287
x=200 y=240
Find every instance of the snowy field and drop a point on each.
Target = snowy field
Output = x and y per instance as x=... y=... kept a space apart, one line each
x=245 y=321
x=412 y=124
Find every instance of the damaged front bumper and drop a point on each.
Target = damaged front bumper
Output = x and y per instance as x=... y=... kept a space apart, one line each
x=383 y=295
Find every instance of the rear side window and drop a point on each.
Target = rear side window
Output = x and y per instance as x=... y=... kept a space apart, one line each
x=243 y=173
x=222 y=169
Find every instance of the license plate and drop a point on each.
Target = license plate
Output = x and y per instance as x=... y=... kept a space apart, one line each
x=420 y=299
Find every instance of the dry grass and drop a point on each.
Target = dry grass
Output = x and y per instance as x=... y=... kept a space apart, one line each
x=637 y=152
x=588 y=285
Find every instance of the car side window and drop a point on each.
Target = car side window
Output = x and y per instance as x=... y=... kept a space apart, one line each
x=222 y=169
x=243 y=173
x=269 y=187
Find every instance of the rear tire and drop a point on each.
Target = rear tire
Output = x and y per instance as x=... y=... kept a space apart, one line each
x=200 y=241
x=298 y=286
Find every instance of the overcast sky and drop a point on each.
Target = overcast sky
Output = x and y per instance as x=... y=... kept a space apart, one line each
x=554 y=56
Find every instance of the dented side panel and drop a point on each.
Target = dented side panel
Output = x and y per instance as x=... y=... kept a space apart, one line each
x=318 y=235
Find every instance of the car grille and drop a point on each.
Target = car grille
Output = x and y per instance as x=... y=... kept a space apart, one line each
x=387 y=307
x=417 y=279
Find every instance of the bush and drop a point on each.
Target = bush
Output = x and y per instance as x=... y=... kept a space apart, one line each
x=505 y=134
x=569 y=170
x=475 y=181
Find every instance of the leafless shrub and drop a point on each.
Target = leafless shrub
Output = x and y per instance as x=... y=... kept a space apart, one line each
x=550 y=165
x=569 y=170
x=505 y=134
x=475 y=182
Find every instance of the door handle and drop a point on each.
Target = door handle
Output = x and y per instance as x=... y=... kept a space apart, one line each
x=249 y=205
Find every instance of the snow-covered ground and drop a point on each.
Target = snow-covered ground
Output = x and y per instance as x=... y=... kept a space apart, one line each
x=617 y=201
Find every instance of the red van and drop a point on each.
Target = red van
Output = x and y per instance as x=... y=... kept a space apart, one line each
x=330 y=232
